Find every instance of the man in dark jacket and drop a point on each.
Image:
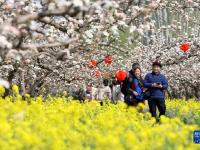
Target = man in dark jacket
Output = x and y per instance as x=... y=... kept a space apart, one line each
x=156 y=84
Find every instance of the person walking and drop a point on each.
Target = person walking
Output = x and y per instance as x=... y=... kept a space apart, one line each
x=156 y=83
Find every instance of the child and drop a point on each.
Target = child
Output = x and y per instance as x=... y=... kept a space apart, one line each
x=116 y=92
x=89 y=92
x=104 y=92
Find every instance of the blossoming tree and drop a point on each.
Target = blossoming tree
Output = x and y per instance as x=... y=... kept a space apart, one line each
x=47 y=44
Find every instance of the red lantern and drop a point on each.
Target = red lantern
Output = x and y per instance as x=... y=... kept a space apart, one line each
x=97 y=73
x=108 y=59
x=120 y=75
x=92 y=63
x=185 y=47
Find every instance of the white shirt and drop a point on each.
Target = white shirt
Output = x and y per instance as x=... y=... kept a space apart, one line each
x=94 y=93
x=116 y=93
x=104 y=93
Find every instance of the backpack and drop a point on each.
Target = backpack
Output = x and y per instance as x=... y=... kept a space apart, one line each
x=124 y=85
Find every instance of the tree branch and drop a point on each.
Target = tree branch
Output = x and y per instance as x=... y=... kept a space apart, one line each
x=57 y=12
x=49 y=45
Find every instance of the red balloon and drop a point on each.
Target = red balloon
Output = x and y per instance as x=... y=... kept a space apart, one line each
x=92 y=63
x=185 y=47
x=108 y=59
x=120 y=75
x=97 y=73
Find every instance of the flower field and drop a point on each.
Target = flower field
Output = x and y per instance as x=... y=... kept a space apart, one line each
x=62 y=123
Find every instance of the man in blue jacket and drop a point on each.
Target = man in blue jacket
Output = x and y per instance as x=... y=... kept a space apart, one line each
x=156 y=84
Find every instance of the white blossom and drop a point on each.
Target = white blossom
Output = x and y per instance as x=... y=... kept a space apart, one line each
x=89 y=34
x=114 y=29
x=4 y=83
x=4 y=43
x=132 y=28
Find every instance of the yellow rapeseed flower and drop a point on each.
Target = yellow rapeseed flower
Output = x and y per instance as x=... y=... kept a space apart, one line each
x=15 y=89
x=2 y=90
x=62 y=123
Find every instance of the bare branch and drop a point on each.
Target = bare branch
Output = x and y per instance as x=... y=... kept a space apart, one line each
x=57 y=12
x=39 y=46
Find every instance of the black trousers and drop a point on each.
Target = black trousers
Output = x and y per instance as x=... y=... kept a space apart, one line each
x=159 y=103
